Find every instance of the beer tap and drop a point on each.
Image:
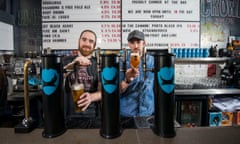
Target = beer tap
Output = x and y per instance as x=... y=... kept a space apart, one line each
x=164 y=98
x=53 y=100
x=144 y=62
x=27 y=123
x=145 y=68
x=124 y=59
x=110 y=103
x=27 y=120
x=98 y=59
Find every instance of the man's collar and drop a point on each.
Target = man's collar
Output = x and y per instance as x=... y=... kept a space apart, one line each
x=89 y=56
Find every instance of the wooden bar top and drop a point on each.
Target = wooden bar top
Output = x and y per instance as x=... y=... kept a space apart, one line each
x=196 y=135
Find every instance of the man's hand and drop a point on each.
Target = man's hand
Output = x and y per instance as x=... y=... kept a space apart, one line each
x=80 y=60
x=84 y=61
x=132 y=73
x=84 y=101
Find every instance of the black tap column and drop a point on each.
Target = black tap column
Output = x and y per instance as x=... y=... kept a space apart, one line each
x=110 y=115
x=164 y=95
x=51 y=75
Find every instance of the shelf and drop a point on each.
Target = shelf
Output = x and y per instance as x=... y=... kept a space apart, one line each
x=208 y=60
x=205 y=92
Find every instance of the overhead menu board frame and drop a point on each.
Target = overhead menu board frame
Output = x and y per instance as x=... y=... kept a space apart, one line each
x=176 y=22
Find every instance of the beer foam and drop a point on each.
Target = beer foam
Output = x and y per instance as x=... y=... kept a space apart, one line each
x=77 y=86
x=134 y=54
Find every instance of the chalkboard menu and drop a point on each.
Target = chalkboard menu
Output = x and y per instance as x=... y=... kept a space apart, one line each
x=166 y=23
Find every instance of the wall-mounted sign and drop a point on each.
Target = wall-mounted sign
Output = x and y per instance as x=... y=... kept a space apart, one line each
x=155 y=10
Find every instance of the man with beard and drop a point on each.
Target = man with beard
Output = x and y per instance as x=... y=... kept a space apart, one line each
x=85 y=65
x=136 y=98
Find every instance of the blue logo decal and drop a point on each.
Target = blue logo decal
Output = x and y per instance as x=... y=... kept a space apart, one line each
x=50 y=79
x=166 y=79
x=109 y=79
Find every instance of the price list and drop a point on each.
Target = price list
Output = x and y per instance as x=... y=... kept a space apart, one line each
x=155 y=10
x=65 y=35
x=165 y=23
x=63 y=21
x=166 y=34
x=81 y=10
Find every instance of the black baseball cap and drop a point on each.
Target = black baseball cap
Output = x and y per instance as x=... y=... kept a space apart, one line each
x=136 y=34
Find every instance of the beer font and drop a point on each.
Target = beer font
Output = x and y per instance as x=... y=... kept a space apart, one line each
x=110 y=115
x=52 y=87
x=164 y=94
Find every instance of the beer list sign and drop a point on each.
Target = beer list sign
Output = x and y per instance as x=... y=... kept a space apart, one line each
x=165 y=23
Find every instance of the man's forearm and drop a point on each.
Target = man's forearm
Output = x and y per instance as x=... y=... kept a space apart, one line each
x=96 y=96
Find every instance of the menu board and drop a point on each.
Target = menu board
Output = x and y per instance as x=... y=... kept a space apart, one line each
x=166 y=23
x=65 y=35
x=165 y=34
x=81 y=10
x=167 y=10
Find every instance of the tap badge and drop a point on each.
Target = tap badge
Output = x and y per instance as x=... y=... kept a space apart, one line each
x=166 y=79
x=109 y=79
x=50 y=78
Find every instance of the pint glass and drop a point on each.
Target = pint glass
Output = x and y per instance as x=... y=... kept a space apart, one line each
x=134 y=60
x=77 y=90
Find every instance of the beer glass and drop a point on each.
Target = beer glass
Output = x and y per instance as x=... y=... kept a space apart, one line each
x=77 y=90
x=134 y=60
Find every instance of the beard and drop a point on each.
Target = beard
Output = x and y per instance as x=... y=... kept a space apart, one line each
x=86 y=53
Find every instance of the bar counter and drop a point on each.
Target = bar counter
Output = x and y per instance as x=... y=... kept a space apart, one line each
x=196 y=135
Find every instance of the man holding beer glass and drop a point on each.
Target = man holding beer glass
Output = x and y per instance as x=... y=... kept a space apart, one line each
x=137 y=98
x=82 y=88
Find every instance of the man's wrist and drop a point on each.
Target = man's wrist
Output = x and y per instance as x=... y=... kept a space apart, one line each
x=127 y=80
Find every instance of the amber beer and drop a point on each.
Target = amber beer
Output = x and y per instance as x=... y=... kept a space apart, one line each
x=77 y=91
x=134 y=60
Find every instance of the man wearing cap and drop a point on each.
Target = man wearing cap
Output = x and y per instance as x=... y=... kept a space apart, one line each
x=136 y=98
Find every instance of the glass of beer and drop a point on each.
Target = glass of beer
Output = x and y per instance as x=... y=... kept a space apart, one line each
x=77 y=90
x=134 y=60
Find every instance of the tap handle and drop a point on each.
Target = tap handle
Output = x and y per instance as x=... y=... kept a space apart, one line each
x=26 y=90
x=144 y=62
x=98 y=59
x=124 y=59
